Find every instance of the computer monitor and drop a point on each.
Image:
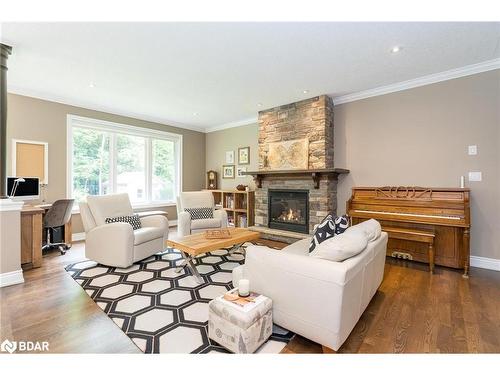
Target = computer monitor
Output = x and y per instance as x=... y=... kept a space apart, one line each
x=29 y=189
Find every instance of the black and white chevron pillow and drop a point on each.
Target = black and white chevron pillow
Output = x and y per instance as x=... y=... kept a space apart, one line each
x=200 y=213
x=329 y=227
x=133 y=220
x=341 y=224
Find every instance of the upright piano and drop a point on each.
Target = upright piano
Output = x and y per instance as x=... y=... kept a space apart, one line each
x=429 y=225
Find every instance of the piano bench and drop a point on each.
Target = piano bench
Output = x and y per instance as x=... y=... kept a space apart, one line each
x=415 y=235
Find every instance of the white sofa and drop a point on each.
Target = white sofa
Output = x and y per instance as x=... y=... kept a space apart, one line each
x=117 y=244
x=198 y=199
x=319 y=299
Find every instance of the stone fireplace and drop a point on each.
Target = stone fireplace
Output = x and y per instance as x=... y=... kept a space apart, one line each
x=322 y=197
x=288 y=210
x=296 y=155
x=310 y=118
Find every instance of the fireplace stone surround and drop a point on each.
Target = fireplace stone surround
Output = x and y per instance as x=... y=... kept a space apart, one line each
x=312 y=119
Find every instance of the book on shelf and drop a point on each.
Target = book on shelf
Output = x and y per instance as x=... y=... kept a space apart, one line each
x=242 y=221
x=229 y=202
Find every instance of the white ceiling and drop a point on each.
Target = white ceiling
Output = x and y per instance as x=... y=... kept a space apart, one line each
x=205 y=75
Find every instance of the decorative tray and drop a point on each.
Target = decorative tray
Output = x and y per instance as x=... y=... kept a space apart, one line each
x=217 y=233
x=237 y=299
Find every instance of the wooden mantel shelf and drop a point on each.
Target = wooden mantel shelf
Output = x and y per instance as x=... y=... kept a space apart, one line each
x=315 y=174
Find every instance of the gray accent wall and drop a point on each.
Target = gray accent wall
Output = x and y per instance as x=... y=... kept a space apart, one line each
x=420 y=137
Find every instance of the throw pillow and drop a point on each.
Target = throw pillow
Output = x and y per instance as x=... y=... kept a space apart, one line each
x=341 y=224
x=200 y=213
x=341 y=247
x=371 y=227
x=329 y=227
x=133 y=220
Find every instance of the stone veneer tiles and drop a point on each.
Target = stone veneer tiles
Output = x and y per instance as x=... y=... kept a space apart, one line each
x=311 y=118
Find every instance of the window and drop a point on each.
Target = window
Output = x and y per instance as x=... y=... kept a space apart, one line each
x=91 y=160
x=105 y=158
x=130 y=166
x=163 y=170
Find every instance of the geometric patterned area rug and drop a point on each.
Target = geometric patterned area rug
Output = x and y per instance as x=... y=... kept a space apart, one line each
x=163 y=311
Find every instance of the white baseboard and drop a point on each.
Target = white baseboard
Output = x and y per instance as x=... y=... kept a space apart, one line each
x=81 y=236
x=486 y=263
x=11 y=278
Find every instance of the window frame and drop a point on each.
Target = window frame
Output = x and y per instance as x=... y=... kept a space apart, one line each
x=113 y=129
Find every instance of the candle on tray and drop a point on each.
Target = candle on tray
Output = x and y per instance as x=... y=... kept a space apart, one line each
x=244 y=288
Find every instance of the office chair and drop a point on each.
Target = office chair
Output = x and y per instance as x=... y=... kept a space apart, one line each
x=57 y=216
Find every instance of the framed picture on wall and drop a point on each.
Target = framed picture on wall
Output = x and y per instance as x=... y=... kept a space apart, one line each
x=228 y=171
x=240 y=170
x=230 y=157
x=244 y=155
x=30 y=159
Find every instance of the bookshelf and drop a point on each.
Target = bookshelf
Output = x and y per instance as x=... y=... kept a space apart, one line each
x=239 y=206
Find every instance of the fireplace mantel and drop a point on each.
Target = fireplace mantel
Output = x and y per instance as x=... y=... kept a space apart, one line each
x=315 y=174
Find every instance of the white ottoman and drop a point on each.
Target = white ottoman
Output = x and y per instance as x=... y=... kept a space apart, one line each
x=240 y=329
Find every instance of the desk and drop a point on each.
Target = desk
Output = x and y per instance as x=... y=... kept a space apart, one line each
x=32 y=234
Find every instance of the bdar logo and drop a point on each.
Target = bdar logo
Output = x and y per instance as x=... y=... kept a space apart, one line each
x=8 y=346
x=24 y=346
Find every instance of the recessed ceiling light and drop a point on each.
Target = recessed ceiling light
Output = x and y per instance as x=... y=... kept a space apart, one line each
x=396 y=49
x=305 y=91
x=259 y=104
x=195 y=113
x=92 y=85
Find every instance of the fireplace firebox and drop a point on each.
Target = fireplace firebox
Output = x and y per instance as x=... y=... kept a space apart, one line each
x=289 y=210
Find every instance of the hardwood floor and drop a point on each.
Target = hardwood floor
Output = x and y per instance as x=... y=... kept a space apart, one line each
x=51 y=306
x=413 y=312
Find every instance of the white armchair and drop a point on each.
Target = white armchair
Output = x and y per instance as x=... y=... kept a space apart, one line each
x=117 y=244
x=319 y=299
x=198 y=199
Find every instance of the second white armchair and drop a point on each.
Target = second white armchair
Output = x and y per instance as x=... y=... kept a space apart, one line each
x=187 y=225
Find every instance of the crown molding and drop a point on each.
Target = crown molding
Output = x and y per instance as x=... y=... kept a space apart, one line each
x=382 y=90
x=464 y=71
x=100 y=108
x=421 y=81
x=81 y=104
x=234 y=124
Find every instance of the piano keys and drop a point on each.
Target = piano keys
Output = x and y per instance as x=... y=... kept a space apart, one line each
x=442 y=213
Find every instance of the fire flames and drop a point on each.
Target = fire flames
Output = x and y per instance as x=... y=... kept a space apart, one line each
x=290 y=215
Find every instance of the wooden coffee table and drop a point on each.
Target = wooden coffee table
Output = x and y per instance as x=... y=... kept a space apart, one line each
x=196 y=244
